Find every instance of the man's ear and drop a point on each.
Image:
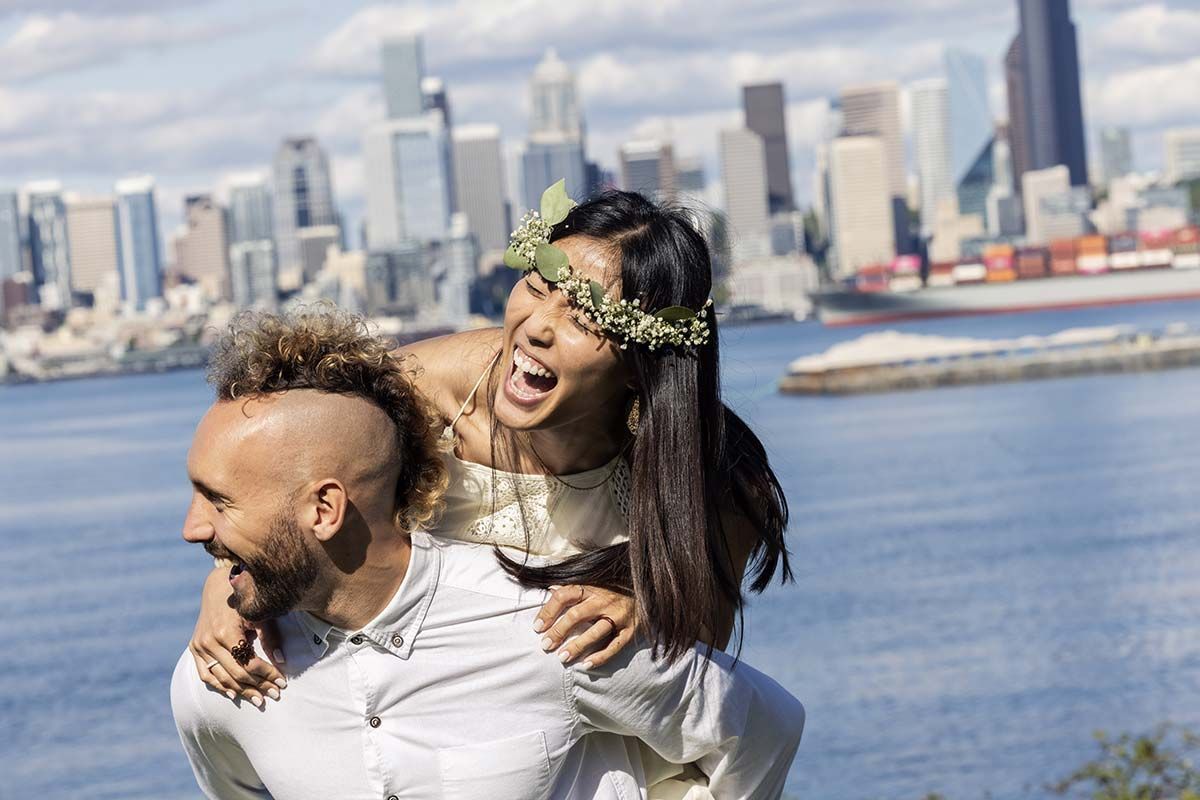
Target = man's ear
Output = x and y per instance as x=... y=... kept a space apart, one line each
x=327 y=505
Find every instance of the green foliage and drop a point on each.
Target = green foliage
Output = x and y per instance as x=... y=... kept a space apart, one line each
x=1151 y=767
x=556 y=204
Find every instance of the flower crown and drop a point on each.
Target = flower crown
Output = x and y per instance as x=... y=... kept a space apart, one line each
x=530 y=249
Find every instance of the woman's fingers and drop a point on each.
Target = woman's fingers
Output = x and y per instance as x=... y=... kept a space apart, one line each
x=561 y=629
x=561 y=598
x=209 y=679
x=253 y=680
x=599 y=632
x=615 y=645
x=272 y=642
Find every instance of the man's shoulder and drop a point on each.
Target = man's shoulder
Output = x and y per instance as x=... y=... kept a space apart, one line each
x=193 y=703
x=472 y=567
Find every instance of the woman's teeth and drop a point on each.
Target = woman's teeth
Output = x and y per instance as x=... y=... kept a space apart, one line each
x=525 y=365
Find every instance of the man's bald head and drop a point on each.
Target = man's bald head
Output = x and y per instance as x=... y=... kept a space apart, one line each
x=329 y=373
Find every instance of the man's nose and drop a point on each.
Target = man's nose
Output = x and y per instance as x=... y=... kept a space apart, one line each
x=196 y=526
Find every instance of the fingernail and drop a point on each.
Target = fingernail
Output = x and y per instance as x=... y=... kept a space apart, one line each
x=273 y=694
x=257 y=701
x=564 y=656
x=547 y=645
x=281 y=683
x=588 y=665
x=230 y=694
x=279 y=657
x=538 y=625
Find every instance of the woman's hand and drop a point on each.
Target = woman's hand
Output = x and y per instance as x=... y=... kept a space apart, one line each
x=218 y=631
x=606 y=620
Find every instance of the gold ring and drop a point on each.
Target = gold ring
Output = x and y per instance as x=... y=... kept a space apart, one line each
x=211 y=664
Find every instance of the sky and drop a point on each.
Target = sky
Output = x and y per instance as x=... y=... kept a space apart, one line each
x=196 y=91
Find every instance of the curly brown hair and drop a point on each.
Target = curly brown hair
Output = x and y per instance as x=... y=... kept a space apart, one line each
x=324 y=348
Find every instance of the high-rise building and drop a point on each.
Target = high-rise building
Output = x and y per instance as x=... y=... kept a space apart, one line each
x=250 y=215
x=977 y=182
x=1018 y=117
x=303 y=199
x=689 y=176
x=10 y=236
x=48 y=244
x=314 y=244
x=554 y=105
x=1116 y=154
x=137 y=225
x=253 y=274
x=1051 y=124
x=1183 y=154
x=435 y=98
x=648 y=167
x=763 y=106
x=931 y=138
x=202 y=252
x=744 y=175
x=1053 y=208
x=407 y=181
x=479 y=184
x=859 y=183
x=555 y=149
x=92 y=238
x=459 y=256
x=969 y=110
x=545 y=163
x=874 y=110
x=403 y=70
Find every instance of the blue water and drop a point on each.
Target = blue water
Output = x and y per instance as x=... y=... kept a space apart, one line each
x=984 y=574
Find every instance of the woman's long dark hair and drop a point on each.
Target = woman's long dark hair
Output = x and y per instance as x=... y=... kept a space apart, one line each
x=692 y=459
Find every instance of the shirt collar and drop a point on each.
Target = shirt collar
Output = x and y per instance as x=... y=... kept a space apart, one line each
x=396 y=627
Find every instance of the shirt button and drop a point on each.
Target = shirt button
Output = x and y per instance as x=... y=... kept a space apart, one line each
x=393 y=797
x=375 y=722
x=356 y=640
x=316 y=639
x=397 y=640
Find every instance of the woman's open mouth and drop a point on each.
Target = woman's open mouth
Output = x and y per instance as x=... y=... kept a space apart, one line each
x=530 y=381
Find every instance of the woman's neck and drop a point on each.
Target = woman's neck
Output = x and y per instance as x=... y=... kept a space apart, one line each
x=573 y=448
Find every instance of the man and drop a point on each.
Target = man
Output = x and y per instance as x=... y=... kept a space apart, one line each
x=414 y=668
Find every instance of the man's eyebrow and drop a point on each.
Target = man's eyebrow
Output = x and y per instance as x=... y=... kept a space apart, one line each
x=208 y=491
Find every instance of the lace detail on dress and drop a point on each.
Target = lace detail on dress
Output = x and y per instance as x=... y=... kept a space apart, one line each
x=515 y=511
x=621 y=487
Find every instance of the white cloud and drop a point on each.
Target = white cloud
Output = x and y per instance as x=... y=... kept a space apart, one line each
x=1152 y=32
x=1148 y=96
x=48 y=44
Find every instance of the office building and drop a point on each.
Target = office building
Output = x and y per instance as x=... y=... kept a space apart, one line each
x=931 y=138
x=49 y=245
x=407 y=181
x=138 y=242
x=303 y=199
x=744 y=175
x=861 y=207
x=92 y=241
x=479 y=184
x=764 y=107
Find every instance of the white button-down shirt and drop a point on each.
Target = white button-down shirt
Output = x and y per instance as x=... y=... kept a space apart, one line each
x=448 y=694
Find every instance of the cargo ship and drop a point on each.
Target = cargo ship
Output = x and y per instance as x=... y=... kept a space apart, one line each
x=1085 y=271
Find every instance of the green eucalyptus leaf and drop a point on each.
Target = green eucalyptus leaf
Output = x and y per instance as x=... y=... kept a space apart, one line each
x=597 y=294
x=550 y=261
x=555 y=203
x=675 y=313
x=515 y=260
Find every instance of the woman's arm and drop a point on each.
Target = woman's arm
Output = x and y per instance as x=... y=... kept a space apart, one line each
x=446 y=367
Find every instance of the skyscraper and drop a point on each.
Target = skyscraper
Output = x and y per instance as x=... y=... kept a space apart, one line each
x=479 y=184
x=874 y=110
x=648 y=167
x=303 y=198
x=48 y=244
x=763 y=105
x=435 y=98
x=408 y=181
x=250 y=216
x=1046 y=193
x=1018 y=117
x=137 y=225
x=253 y=274
x=92 y=237
x=1183 y=154
x=745 y=177
x=1116 y=155
x=202 y=252
x=10 y=236
x=403 y=69
x=1051 y=124
x=970 y=115
x=555 y=149
x=554 y=105
x=931 y=137
x=861 y=209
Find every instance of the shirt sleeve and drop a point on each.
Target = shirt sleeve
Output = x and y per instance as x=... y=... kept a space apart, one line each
x=740 y=727
x=221 y=767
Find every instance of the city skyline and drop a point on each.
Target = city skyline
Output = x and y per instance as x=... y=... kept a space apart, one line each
x=86 y=115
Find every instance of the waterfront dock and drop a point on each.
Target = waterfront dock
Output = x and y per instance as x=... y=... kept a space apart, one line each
x=891 y=361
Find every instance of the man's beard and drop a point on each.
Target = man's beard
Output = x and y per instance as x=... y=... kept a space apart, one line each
x=281 y=575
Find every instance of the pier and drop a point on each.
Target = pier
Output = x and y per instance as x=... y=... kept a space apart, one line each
x=891 y=361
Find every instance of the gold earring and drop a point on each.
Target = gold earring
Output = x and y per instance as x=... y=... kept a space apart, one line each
x=634 y=416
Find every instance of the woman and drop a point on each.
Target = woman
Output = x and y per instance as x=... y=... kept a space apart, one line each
x=580 y=432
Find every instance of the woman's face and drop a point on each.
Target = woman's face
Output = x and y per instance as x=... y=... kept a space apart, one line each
x=559 y=367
